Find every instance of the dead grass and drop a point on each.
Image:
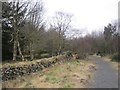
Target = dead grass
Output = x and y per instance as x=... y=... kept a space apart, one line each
x=74 y=74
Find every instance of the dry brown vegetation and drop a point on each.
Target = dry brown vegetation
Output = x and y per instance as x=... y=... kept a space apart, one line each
x=73 y=74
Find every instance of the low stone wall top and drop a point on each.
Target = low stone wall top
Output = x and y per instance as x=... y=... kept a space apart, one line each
x=11 y=72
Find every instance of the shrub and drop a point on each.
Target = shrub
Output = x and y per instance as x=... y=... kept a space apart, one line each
x=100 y=53
x=91 y=53
x=68 y=54
x=76 y=56
x=115 y=57
x=82 y=56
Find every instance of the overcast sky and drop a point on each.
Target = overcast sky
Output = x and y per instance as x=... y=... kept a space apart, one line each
x=89 y=14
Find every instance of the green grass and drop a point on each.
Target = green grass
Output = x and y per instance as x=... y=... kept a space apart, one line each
x=52 y=79
x=66 y=69
x=63 y=81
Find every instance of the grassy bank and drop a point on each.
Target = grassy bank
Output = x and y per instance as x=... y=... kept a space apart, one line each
x=73 y=74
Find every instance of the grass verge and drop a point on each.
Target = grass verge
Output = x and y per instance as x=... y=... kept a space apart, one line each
x=72 y=74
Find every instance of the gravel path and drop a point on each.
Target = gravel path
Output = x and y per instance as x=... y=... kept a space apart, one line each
x=105 y=76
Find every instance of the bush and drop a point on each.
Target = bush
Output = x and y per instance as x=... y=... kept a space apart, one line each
x=115 y=57
x=45 y=55
x=82 y=56
x=91 y=53
x=68 y=54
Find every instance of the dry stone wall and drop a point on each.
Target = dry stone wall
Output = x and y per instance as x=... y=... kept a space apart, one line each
x=11 y=72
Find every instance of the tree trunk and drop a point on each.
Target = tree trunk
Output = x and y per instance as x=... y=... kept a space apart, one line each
x=15 y=50
x=59 y=50
x=31 y=52
x=19 y=49
x=31 y=55
x=16 y=44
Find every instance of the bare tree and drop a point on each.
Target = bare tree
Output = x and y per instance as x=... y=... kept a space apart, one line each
x=15 y=18
x=62 y=24
x=34 y=24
